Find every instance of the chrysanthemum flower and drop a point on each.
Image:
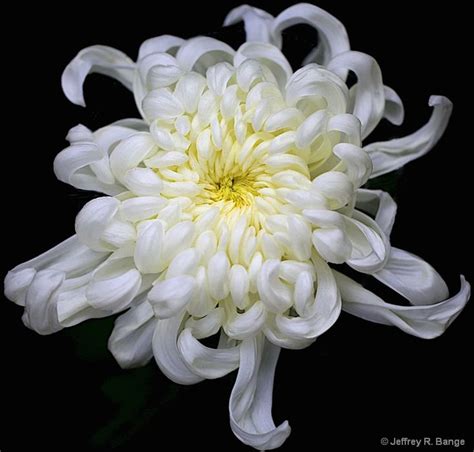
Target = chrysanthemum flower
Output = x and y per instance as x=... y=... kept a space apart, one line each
x=226 y=205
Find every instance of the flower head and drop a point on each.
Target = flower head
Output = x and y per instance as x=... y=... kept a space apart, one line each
x=226 y=206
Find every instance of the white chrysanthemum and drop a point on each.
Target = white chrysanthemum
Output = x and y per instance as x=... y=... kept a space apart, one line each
x=227 y=205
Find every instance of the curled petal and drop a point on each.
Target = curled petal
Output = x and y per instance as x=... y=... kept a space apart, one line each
x=258 y=24
x=99 y=59
x=114 y=286
x=267 y=55
x=380 y=205
x=370 y=246
x=394 y=110
x=202 y=52
x=85 y=164
x=204 y=361
x=163 y=43
x=313 y=81
x=130 y=341
x=318 y=315
x=93 y=219
x=250 y=402
x=332 y=34
x=166 y=352
x=171 y=295
x=390 y=155
x=425 y=321
x=413 y=278
x=369 y=100
x=41 y=301
x=355 y=163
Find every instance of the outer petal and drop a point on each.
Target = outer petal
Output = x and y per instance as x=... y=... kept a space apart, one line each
x=41 y=299
x=427 y=321
x=319 y=315
x=258 y=24
x=369 y=100
x=380 y=205
x=268 y=55
x=413 y=278
x=205 y=361
x=394 y=110
x=250 y=403
x=130 y=341
x=200 y=53
x=70 y=257
x=389 y=155
x=99 y=59
x=163 y=43
x=332 y=34
x=167 y=355
x=85 y=164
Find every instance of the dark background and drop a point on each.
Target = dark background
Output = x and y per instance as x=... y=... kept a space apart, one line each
x=359 y=381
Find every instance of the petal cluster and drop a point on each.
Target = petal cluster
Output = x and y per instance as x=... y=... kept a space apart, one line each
x=224 y=208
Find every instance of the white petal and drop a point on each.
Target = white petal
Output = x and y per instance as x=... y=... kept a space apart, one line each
x=208 y=325
x=332 y=244
x=218 y=76
x=167 y=355
x=357 y=163
x=349 y=125
x=163 y=43
x=313 y=81
x=170 y=296
x=369 y=101
x=268 y=55
x=250 y=72
x=148 y=247
x=114 y=292
x=331 y=32
x=204 y=361
x=189 y=89
x=184 y=263
x=178 y=238
x=425 y=321
x=130 y=341
x=99 y=59
x=143 y=181
x=163 y=75
x=274 y=293
x=40 y=305
x=258 y=24
x=201 y=303
x=217 y=275
x=319 y=315
x=130 y=152
x=394 y=111
x=166 y=159
x=380 y=205
x=239 y=285
x=92 y=220
x=389 y=155
x=247 y=324
x=311 y=127
x=136 y=209
x=413 y=278
x=119 y=233
x=202 y=53
x=72 y=306
x=370 y=246
x=17 y=283
x=335 y=187
x=162 y=104
x=250 y=403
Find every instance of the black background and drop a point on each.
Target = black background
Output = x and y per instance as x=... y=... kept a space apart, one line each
x=359 y=381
